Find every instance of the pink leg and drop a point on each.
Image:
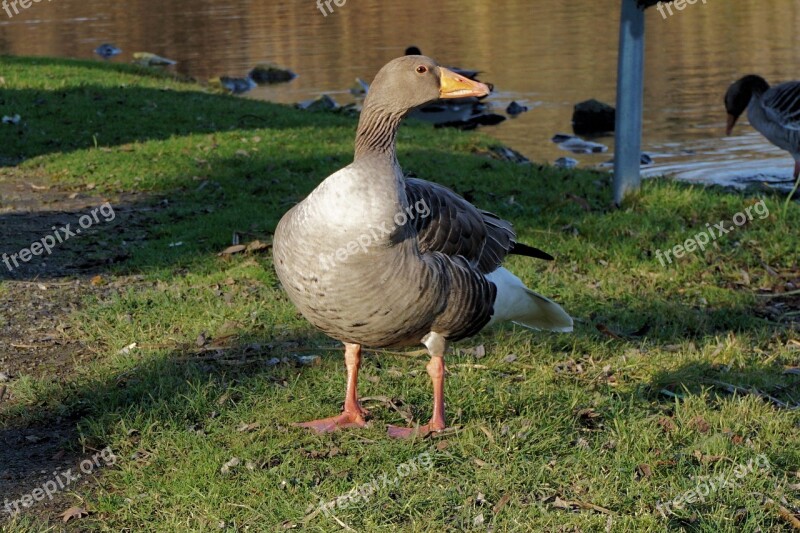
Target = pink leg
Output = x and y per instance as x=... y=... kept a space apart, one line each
x=436 y=372
x=353 y=414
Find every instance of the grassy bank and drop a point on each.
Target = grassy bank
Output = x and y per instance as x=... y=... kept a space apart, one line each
x=585 y=432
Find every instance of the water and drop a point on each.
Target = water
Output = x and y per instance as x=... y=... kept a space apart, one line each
x=547 y=55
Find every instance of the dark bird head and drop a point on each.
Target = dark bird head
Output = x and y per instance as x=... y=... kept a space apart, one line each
x=738 y=96
x=413 y=51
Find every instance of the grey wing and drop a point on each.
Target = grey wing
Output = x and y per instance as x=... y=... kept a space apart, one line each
x=782 y=104
x=455 y=227
x=470 y=297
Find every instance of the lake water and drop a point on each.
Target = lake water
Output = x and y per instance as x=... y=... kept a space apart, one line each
x=548 y=55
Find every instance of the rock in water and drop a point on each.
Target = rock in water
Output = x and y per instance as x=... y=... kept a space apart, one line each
x=269 y=73
x=323 y=103
x=566 y=162
x=577 y=145
x=592 y=116
x=515 y=109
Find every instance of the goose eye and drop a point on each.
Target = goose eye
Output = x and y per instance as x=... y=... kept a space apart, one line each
x=422 y=69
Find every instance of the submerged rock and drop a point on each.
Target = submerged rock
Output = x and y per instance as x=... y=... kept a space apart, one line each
x=515 y=109
x=146 y=59
x=592 y=116
x=265 y=73
x=323 y=103
x=504 y=153
x=644 y=159
x=566 y=162
x=576 y=145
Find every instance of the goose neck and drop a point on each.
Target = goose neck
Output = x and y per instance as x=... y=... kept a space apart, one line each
x=377 y=133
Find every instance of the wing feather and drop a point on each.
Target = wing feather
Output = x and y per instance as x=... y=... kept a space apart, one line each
x=456 y=227
x=782 y=104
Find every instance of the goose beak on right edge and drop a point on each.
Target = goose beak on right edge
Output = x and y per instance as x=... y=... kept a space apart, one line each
x=731 y=121
x=453 y=85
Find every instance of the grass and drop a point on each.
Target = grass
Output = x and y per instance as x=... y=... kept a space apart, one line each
x=629 y=411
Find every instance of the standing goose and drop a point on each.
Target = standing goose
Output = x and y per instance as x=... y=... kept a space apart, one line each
x=374 y=259
x=775 y=112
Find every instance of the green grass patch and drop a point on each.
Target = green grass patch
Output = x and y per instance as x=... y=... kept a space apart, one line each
x=545 y=421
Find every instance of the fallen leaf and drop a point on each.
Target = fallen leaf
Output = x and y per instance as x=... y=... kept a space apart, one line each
x=231 y=250
x=700 y=424
x=707 y=459
x=201 y=339
x=558 y=503
x=589 y=418
x=602 y=328
x=74 y=512
x=477 y=352
x=247 y=428
x=257 y=245
x=580 y=201
x=667 y=425
x=644 y=470
x=307 y=360
x=502 y=503
x=227 y=467
x=570 y=366
x=127 y=349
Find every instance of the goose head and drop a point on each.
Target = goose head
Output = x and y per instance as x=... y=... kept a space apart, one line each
x=739 y=95
x=401 y=85
x=412 y=81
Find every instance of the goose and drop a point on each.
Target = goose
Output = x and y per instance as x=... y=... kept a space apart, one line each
x=378 y=260
x=774 y=112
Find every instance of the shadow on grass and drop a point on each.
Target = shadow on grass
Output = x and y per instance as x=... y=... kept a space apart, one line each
x=202 y=393
x=87 y=115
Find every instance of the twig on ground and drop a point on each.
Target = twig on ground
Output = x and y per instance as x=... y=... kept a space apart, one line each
x=784 y=513
x=733 y=389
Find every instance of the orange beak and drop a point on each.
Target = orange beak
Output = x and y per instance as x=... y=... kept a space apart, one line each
x=731 y=122
x=452 y=85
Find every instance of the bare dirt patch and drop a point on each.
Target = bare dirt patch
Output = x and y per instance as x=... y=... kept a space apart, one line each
x=36 y=302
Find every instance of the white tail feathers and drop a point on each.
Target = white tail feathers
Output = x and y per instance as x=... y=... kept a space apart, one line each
x=517 y=303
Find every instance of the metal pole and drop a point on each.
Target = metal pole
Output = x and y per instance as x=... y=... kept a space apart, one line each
x=630 y=84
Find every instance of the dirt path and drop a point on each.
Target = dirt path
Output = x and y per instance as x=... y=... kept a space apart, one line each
x=36 y=301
